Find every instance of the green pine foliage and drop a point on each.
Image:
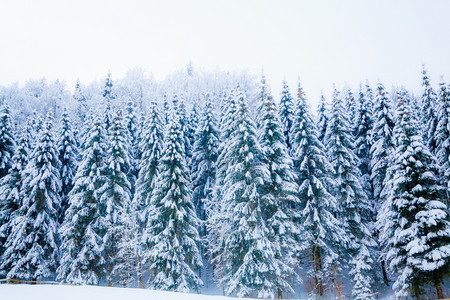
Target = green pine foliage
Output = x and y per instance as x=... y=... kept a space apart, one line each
x=32 y=246
x=82 y=260
x=322 y=231
x=7 y=143
x=416 y=232
x=171 y=231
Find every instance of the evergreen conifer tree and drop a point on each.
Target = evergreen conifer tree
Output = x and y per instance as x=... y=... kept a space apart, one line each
x=383 y=143
x=31 y=248
x=322 y=231
x=131 y=124
x=204 y=160
x=82 y=260
x=108 y=96
x=171 y=232
x=67 y=153
x=363 y=142
x=280 y=201
x=11 y=187
x=192 y=125
x=416 y=230
x=348 y=190
x=429 y=111
x=116 y=193
x=152 y=146
x=79 y=97
x=6 y=141
x=443 y=135
x=322 y=121
x=286 y=112
x=248 y=257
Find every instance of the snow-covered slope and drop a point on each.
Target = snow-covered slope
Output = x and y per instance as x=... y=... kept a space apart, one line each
x=67 y=292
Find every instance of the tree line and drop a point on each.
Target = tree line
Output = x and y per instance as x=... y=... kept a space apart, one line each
x=269 y=197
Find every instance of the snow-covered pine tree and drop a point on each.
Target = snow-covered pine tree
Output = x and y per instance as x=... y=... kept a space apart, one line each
x=417 y=231
x=131 y=124
x=350 y=105
x=108 y=96
x=204 y=158
x=348 y=190
x=192 y=125
x=214 y=223
x=362 y=132
x=383 y=143
x=116 y=195
x=184 y=122
x=322 y=231
x=79 y=97
x=381 y=154
x=322 y=120
x=152 y=146
x=7 y=143
x=286 y=109
x=11 y=187
x=82 y=260
x=68 y=154
x=32 y=246
x=429 y=112
x=443 y=134
x=279 y=201
x=171 y=231
x=165 y=112
x=247 y=259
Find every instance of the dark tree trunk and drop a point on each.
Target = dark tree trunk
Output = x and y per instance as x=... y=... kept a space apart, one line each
x=383 y=268
x=437 y=285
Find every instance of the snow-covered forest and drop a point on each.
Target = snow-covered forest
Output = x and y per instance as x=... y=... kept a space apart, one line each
x=210 y=178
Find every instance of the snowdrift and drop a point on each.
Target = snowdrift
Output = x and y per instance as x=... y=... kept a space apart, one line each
x=68 y=292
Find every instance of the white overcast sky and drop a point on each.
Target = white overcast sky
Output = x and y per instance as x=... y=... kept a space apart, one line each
x=323 y=42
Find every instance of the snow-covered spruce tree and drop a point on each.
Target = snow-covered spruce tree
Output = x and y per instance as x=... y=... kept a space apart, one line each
x=248 y=257
x=115 y=194
x=107 y=97
x=6 y=141
x=362 y=132
x=286 y=109
x=11 y=190
x=214 y=222
x=204 y=158
x=350 y=105
x=152 y=146
x=383 y=143
x=31 y=248
x=184 y=122
x=322 y=120
x=131 y=124
x=429 y=112
x=279 y=201
x=417 y=230
x=82 y=260
x=165 y=112
x=192 y=124
x=79 y=97
x=68 y=154
x=443 y=134
x=322 y=231
x=348 y=190
x=171 y=231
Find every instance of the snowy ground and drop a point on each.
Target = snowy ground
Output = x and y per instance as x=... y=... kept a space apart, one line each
x=66 y=292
